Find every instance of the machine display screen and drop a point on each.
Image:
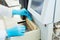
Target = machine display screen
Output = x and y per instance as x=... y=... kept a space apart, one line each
x=37 y=5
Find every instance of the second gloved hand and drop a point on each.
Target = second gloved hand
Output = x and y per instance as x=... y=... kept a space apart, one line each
x=17 y=30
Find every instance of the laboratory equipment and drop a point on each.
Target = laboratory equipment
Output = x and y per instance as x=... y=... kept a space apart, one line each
x=31 y=25
x=43 y=14
x=46 y=15
x=57 y=20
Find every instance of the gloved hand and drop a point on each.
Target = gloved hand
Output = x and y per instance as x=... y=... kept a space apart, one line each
x=22 y=12
x=17 y=30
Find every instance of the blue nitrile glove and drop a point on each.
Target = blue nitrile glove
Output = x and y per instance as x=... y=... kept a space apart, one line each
x=22 y=12
x=16 y=31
